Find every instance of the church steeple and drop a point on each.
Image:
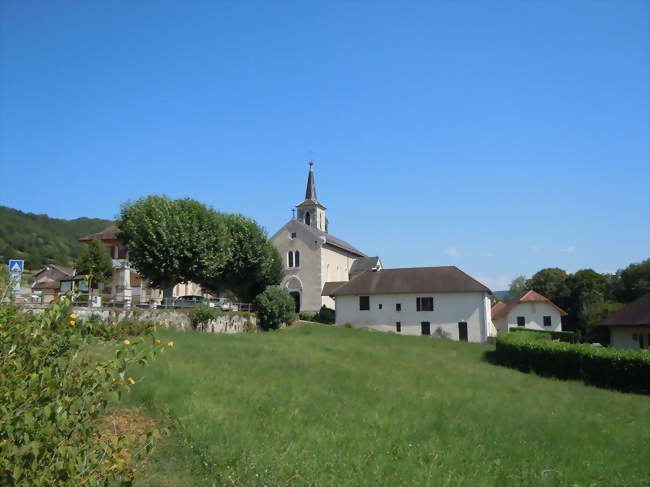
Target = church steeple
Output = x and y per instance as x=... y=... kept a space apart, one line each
x=310 y=194
x=310 y=211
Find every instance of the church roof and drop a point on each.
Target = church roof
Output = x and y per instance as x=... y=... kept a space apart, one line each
x=310 y=203
x=411 y=280
x=363 y=264
x=310 y=193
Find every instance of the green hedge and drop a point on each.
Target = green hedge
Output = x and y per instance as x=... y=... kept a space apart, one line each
x=624 y=370
x=563 y=336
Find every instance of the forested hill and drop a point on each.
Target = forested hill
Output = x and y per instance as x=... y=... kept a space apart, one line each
x=40 y=240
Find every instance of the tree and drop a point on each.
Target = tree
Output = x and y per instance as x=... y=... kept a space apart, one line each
x=173 y=241
x=517 y=287
x=254 y=262
x=588 y=290
x=551 y=282
x=95 y=263
x=274 y=306
x=632 y=282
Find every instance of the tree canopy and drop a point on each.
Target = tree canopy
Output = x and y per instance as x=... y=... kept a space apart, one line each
x=172 y=241
x=95 y=263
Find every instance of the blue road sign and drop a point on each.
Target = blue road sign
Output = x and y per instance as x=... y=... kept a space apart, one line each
x=16 y=266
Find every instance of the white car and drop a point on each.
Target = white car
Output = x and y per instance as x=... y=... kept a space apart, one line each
x=224 y=304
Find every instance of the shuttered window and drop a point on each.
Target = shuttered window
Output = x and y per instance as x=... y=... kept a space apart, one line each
x=364 y=303
x=547 y=321
x=398 y=327
x=521 y=321
x=424 y=304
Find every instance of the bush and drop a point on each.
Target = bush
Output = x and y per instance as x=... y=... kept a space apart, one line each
x=349 y=325
x=308 y=316
x=326 y=315
x=201 y=315
x=624 y=370
x=440 y=333
x=563 y=336
x=275 y=306
x=53 y=395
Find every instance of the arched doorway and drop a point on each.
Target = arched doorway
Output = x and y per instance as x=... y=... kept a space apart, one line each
x=296 y=297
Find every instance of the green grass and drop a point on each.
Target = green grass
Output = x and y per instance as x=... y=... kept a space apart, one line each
x=319 y=405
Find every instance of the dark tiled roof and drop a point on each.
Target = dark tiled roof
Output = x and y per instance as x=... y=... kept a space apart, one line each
x=634 y=314
x=109 y=233
x=46 y=284
x=341 y=244
x=525 y=297
x=363 y=264
x=329 y=287
x=310 y=193
x=310 y=203
x=411 y=280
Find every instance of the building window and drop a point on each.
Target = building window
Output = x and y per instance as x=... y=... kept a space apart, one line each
x=398 y=327
x=424 y=304
x=521 y=321
x=398 y=306
x=364 y=303
x=379 y=305
x=307 y=219
x=547 y=321
x=293 y=235
x=426 y=328
x=290 y=258
x=297 y=258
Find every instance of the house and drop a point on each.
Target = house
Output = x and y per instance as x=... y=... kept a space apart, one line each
x=127 y=286
x=441 y=301
x=529 y=310
x=312 y=256
x=47 y=281
x=629 y=328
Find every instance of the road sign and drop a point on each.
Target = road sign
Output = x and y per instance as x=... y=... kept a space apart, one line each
x=16 y=266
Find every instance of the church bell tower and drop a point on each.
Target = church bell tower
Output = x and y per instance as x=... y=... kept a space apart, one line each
x=310 y=211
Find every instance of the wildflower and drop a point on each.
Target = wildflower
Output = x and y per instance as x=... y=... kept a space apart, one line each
x=170 y=344
x=73 y=316
x=131 y=381
x=71 y=322
x=126 y=342
x=157 y=341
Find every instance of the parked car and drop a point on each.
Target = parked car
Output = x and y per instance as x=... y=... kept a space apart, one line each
x=189 y=301
x=224 y=304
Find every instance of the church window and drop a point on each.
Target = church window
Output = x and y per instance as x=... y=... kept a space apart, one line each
x=290 y=258
x=307 y=219
x=297 y=258
x=364 y=303
x=293 y=235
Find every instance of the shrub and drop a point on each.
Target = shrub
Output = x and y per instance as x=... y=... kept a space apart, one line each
x=326 y=315
x=274 y=307
x=201 y=315
x=53 y=395
x=308 y=316
x=349 y=325
x=440 y=333
x=625 y=370
x=563 y=336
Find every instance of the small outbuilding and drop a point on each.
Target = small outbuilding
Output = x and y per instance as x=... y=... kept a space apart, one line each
x=629 y=328
x=529 y=310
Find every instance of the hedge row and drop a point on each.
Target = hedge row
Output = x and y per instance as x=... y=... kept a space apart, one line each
x=563 y=336
x=623 y=370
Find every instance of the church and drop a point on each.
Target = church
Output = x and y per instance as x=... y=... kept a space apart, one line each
x=312 y=256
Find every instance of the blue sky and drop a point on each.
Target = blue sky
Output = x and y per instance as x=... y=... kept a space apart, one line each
x=502 y=137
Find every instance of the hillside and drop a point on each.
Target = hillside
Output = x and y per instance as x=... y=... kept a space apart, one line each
x=321 y=405
x=40 y=240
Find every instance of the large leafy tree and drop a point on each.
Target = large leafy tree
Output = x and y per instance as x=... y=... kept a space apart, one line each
x=632 y=282
x=553 y=283
x=517 y=286
x=95 y=263
x=254 y=262
x=587 y=297
x=173 y=241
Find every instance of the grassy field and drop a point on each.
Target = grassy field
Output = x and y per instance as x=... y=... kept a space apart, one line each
x=319 y=405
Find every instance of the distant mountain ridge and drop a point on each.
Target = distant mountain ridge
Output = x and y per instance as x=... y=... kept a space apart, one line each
x=41 y=240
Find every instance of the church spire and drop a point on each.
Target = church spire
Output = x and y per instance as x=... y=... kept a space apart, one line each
x=310 y=194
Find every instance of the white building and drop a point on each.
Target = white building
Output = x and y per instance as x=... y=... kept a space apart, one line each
x=529 y=310
x=439 y=301
x=312 y=256
x=629 y=328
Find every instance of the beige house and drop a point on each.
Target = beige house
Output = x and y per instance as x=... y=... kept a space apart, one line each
x=529 y=310
x=629 y=328
x=47 y=281
x=312 y=256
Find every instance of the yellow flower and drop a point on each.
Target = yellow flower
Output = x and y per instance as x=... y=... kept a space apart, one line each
x=157 y=341
x=73 y=316
x=71 y=322
x=130 y=379
x=170 y=344
x=126 y=342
